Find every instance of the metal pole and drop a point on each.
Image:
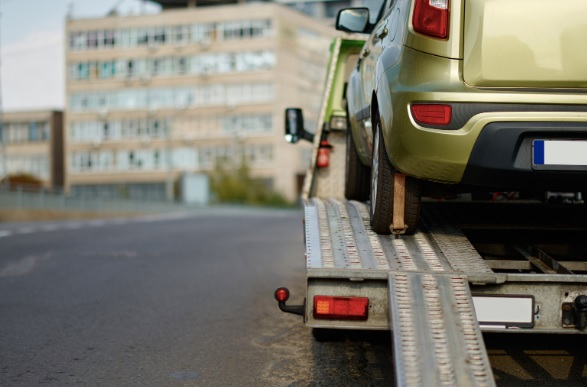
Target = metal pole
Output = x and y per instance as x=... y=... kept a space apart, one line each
x=169 y=182
x=4 y=155
x=3 y=132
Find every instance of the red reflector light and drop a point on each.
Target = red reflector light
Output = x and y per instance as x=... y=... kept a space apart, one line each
x=282 y=294
x=341 y=308
x=432 y=114
x=431 y=18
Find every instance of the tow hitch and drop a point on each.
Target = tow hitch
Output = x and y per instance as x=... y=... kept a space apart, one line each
x=282 y=295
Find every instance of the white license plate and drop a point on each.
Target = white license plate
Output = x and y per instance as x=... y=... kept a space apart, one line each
x=504 y=311
x=563 y=153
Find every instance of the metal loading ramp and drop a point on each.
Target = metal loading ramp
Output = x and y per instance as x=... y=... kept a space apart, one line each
x=436 y=337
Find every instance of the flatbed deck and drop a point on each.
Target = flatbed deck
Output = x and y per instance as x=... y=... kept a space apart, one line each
x=438 y=289
x=471 y=266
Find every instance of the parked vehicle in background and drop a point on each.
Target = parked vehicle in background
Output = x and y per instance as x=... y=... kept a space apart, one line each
x=465 y=95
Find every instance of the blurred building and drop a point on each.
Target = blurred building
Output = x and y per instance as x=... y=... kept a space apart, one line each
x=33 y=142
x=322 y=9
x=151 y=97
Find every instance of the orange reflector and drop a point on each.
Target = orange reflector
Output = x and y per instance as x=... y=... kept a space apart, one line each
x=432 y=114
x=341 y=308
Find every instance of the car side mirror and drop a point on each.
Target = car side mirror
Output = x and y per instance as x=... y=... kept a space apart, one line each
x=353 y=20
x=294 y=126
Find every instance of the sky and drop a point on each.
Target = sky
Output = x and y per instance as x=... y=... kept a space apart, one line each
x=32 y=38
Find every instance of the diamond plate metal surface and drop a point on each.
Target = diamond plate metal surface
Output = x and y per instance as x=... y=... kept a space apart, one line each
x=454 y=245
x=324 y=241
x=312 y=237
x=437 y=341
x=346 y=241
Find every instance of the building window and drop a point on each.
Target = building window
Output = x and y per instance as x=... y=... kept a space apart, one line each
x=23 y=132
x=107 y=69
x=109 y=38
x=155 y=67
x=142 y=37
x=83 y=71
x=159 y=36
x=180 y=34
x=129 y=68
x=124 y=40
x=34 y=134
x=180 y=65
x=91 y=161
x=77 y=41
x=139 y=99
x=251 y=124
x=204 y=33
x=172 y=66
x=145 y=159
x=162 y=35
x=131 y=129
x=92 y=40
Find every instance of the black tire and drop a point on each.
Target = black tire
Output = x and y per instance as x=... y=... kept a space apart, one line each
x=357 y=175
x=382 y=183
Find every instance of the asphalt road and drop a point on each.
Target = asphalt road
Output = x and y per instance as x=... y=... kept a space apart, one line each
x=187 y=300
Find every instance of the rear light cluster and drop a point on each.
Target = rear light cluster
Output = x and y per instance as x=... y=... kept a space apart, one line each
x=341 y=308
x=432 y=114
x=431 y=18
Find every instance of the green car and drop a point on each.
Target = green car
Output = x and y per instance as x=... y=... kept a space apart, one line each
x=464 y=96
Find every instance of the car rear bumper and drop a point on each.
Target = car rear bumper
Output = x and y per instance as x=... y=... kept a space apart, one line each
x=492 y=150
x=503 y=157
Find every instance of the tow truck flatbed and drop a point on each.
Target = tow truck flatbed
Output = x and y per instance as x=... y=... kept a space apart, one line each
x=470 y=267
x=520 y=267
x=435 y=291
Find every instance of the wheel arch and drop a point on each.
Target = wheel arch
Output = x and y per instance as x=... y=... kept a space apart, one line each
x=382 y=109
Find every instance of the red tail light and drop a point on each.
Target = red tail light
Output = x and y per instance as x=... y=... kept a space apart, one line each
x=341 y=308
x=431 y=18
x=432 y=114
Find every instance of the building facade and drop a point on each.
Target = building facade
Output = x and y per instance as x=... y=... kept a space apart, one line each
x=321 y=9
x=151 y=97
x=32 y=144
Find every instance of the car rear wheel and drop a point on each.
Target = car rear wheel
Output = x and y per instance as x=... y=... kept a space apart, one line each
x=356 y=182
x=382 y=190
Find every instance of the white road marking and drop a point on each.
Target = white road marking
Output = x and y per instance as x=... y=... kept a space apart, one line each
x=50 y=227
x=26 y=230
x=96 y=223
x=119 y=221
x=75 y=225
